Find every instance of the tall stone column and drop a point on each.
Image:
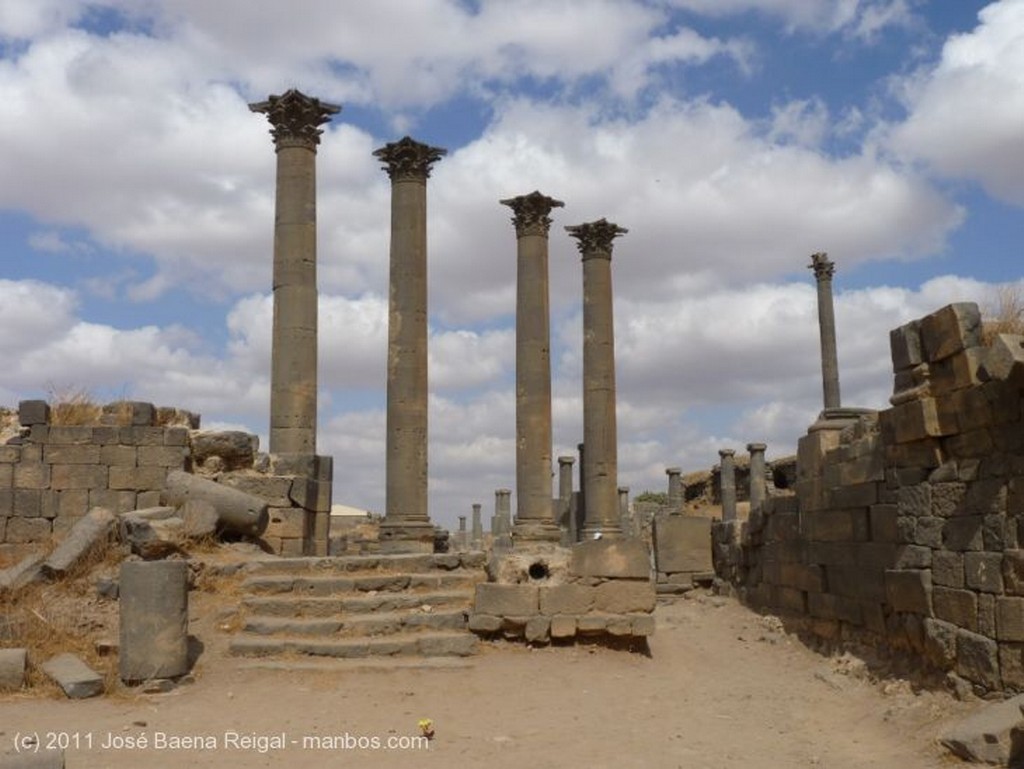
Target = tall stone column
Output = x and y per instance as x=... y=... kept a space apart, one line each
x=727 y=481
x=600 y=463
x=461 y=539
x=501 y=528
x=823 y=271
x=625 y=520
x=675 y=488
x=758 y=484
x=294 y=118
x=406 y=525
x=534 y=519
x=478 y=529
x=566 y=514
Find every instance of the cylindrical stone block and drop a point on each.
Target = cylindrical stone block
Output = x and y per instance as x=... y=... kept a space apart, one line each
x=154 y=620
x=758 y=481
x=236 y=511
x=727 y=481
x=477 y=532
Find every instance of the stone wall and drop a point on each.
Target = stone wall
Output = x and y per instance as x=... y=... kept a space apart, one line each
x=51 y=475
x=903 y=529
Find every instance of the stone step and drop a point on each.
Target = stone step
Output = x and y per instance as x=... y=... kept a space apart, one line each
x=407 y=563
x=384 y=582
x=288 y=605
x=367 y=625
x=425 y=644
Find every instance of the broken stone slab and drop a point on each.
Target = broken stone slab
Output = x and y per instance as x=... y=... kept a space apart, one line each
x=89 y=532
x=12 y=669
x=154 y=620
x=44 y=759
x=985 y=736
x=77 y=679
x=25 y=572
x=236 y=511
x=151 y=534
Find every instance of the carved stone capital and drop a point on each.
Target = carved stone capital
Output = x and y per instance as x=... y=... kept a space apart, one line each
x=295 y=117
x=408 y=160
x=531 y=213
x=823 y=267
x=595 y=238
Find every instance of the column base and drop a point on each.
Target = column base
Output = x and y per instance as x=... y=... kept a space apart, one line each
x=535 y=531
x=406 y=536
x=838 y=418
x=610 y=531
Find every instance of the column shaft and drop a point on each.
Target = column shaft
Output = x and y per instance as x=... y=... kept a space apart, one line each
x=823 y=271
x=675 y=488
x=727 y=483
x=758 y=483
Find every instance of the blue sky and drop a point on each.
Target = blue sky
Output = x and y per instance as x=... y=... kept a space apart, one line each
x=732 y=137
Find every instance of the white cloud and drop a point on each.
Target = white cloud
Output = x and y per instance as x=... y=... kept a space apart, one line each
x=966 y=113
x=857 y=18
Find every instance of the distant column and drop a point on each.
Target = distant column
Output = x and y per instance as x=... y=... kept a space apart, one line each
x=600 y=465
x=675 y=488
x=727 y=480
x=406 y=524
x=460 y=541
x=294 y=118
x=502 y=527
x=625 y=520
x=758 y=484
x=566 y=514
x=823 y=271
x=478 y=529
x=534 y=520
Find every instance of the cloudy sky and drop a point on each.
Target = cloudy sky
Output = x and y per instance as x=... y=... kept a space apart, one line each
x=733 y=138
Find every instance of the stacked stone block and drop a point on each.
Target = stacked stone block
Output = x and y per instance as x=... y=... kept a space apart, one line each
x=906 y=528
x=55 y=474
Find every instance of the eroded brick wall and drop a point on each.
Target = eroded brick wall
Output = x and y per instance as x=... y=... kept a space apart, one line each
x=904 y=526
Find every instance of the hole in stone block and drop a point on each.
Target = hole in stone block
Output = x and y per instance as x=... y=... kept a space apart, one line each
x=538 y=570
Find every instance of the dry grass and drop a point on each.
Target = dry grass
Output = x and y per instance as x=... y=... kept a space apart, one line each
x=73 y=407
x=1004 y=314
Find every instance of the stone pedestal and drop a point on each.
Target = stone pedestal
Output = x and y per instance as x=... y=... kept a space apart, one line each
x=600 y=463
x=758 y=480
x=406 y=526
x=534 y=520
x=295 y=118
x=823 y=271
x=154 y=620
x=728 y=484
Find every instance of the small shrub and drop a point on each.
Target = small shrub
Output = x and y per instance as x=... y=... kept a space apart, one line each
x=1003 y=315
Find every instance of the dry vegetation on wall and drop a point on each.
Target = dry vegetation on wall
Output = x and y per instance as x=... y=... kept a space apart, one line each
x=1004 y=314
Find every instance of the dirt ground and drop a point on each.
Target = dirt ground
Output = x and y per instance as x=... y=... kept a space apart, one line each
x=721 y=688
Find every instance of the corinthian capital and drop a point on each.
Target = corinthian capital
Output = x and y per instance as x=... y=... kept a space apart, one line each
x=295 y=117
x=822 y=266
x=408 y=160
x=531 y=213
x=595 y=238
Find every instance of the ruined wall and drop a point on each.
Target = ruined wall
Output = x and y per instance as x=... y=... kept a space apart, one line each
x=904 y=526
x=51 y=475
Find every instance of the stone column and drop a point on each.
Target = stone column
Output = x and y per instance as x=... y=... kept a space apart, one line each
x=758 y=484
x=823 y=271
x=727 y=482
x=600 y=464
x=478 y=530
x=502 y=528
x=534 y=520
x=406 y=525
x=625 y=520
x=294 y=118
x=675 y=488
x=566 y=514
x=460 y=541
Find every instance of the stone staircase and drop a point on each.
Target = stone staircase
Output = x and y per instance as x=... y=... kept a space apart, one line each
x=360 y=606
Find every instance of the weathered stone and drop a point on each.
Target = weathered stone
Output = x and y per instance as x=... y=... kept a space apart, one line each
x=940 y=642
x=200 y=518
x=12 y=669
x=506 y=600
x=235 y=448
x=563 y=626
x=150 y=478
x=33 y=412
x=566 y=599
x=985 y=736
x=914 y=501
x=92 y=531
x=949 y=330
x=642 y=625
x=484 y=623
x=1010 y=619
x=960 y=607
x=909 y=591
x=623 y=596
x=905 y=345
x=623 y=558
x=964 y=533
x=25 y=572
x=237 y=511
x=76 y=678
x=983 y=571
x=592 y=623
x=32 y=475
x=913 y=557
x=977 y=659
x=948 y=568
x=24 y=530
x=538 y=629
x=1011 y=665
x=987 y=615
x=154 y=620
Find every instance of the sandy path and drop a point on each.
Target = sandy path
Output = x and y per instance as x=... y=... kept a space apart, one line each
x=722 y=689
